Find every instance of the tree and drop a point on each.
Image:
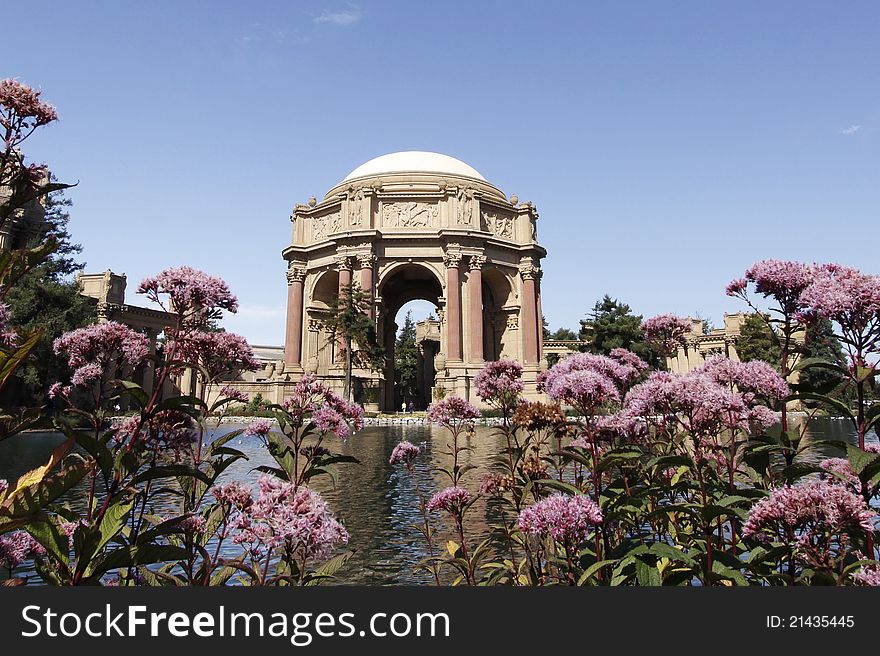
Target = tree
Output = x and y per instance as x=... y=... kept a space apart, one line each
x=563 y=334
x=757 y=341
x=820 y=342
x=350 y=322
x=612 y=325
x=406 y=359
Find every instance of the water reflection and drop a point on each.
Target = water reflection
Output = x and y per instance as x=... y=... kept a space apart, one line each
x=378 y=503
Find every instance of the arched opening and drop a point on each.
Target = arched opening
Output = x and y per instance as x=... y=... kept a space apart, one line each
x=320 y=346
x=499 y=314
x=405 y=287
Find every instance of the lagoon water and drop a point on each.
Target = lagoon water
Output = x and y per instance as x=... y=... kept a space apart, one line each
x=377 y=503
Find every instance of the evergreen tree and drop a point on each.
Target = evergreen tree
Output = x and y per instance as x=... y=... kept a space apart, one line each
x=406 y=359
x=757 y=341
x=612 y=325
x=564 y=334
x=820 y=342
x=349 y=321
x=47 y=297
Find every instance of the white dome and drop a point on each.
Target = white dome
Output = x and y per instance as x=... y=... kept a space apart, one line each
x=414 y=161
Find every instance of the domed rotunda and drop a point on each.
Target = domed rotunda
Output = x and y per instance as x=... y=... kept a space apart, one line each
x=416 y=226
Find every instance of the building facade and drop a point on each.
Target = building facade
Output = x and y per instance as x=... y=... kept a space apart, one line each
x=416 y=226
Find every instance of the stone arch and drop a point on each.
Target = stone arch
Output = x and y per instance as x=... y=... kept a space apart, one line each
x=398 y=285
x=498 y=308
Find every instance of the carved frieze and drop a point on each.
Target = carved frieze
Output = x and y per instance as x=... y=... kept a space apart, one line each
x=356 y=207
x=410 y=214
x=326 y=224
x=464 y=207
x=499 y=224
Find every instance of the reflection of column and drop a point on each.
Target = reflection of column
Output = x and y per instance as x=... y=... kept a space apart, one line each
x=150 y=365
x=367 y=261
x=293 y=337
x=453 y=305
x=529 y=275
x=475 y=298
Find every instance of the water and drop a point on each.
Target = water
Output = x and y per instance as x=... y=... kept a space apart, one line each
x=377 y=503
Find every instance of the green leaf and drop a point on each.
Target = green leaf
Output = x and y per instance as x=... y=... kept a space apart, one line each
x=838 y=405
x=166 y=471
x=647 y=574
x=332 y=566
x=860 y=460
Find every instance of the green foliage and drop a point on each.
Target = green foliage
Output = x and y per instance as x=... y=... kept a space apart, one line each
x=820 y=343
x=612 y=325
x=406 y=359
x=757 y=341
x=349 y=320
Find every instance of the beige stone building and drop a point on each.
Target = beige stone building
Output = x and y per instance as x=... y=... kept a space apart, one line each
x=408 y=226
x=701 y=346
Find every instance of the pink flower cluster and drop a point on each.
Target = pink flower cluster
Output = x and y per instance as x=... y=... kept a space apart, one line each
x=754 y=378
x=819 y=514
x=217 y=353
x=329 y=411
x=780 y=279
x=260 y=427
x=850 y=298
x=564 y=518
x=22 y=110
x=666 y=332
x=868 y=575
x=8 y=336
x=166 y=431
x=284 y=515
x=193 y=294
x=451 y=499
x=451 y=412
x=500 y=383
x=587 y=381
x=93 y=349
x=843 y=472
x=235 y=494
x=229 y=392
x=17 y=547
x=404 y=453
x=194 y=524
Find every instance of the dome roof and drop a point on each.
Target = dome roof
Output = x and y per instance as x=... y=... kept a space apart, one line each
x=414 y=161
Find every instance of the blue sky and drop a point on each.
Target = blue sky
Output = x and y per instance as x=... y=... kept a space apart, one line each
x=667 y=145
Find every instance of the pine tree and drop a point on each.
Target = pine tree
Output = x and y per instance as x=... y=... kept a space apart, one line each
x=349 y=321
x=612 y=325
x=406 y=359
x=757 y=341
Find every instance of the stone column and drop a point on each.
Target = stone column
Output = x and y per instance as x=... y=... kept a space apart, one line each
x=367 y=261
x=529 y=274
x=343 y=263
x=453 y=306
x=475 y=299
x=293 y=337
x=540 y=316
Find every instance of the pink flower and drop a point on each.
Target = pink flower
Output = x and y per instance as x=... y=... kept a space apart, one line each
x=93 y=349
x=453 y=500
x=260 y=427
x=500 y=383
x=782 y=280
x=584 y=389
x=629 y=359
x=4 y=485
x=170 y=430
x=329 y=411
x=218 y=353
x=24 y=109
x=813 y=517
x=756 y=377
x=566 y=519
x=17 y=547
x=194 y=295
x=451 y=412
x=57 y=389
x=235 y=494
x=868 y=575
x=404 y=453
x=844 y=472
x=284 y=515
x=8 y=336
x=194 y=524
x=233 y=394
x=666 y=332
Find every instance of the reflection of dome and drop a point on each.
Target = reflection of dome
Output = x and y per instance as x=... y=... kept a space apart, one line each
x=414 y=161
